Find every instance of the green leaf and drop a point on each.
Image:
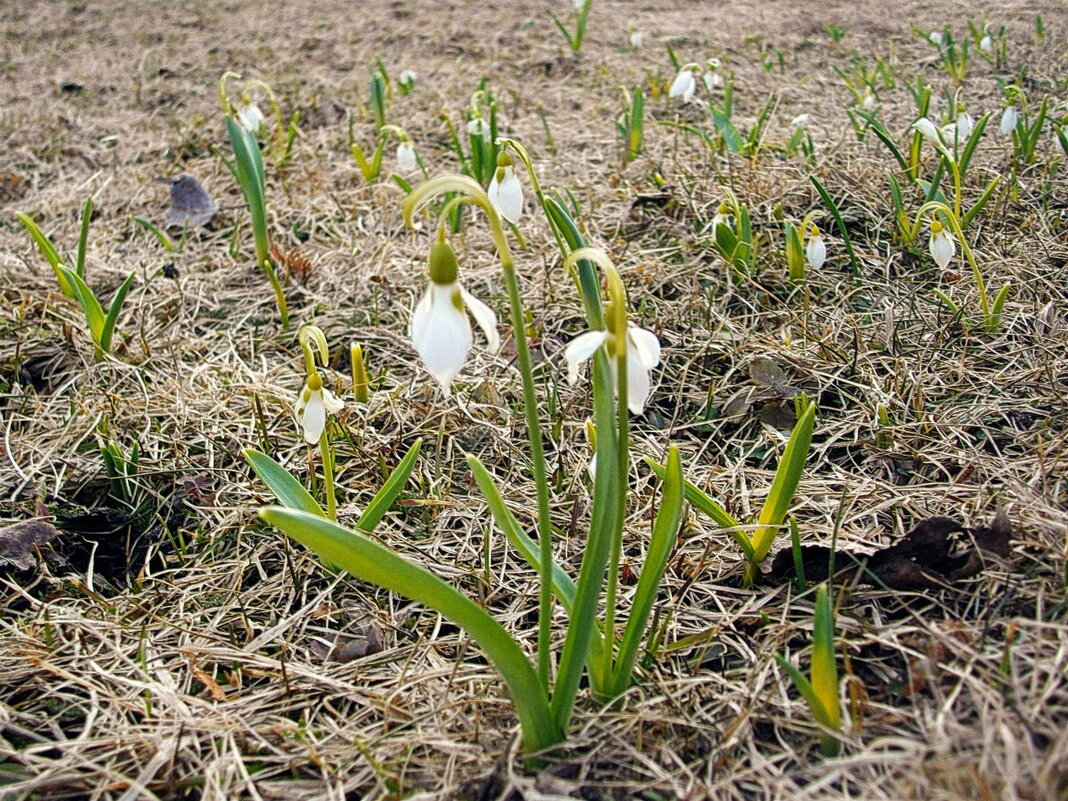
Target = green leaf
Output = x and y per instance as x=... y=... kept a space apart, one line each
x=108 y=329
x=390 y=491
x=83 y=236
x=369 y=561
x=842 y=230
x=94 y=312
x=824 y=670
x=48 y=250
x=289 y=492
x=787 y=476
x=661 y=544
x=727 y=130
x=815 y=705
x=161 y=237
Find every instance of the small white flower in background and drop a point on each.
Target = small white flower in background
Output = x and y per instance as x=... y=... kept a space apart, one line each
x=801 y=120
x=250 y=117
x=985 y=43
x=478 y=127
x=942 y=246
x=1008 y=120
x=964 y=125
x=578 y=3
x=935 y=37
x=406 y=160
x=684 y=85
x=407 y=78
x=635 y=36
x=868 y=103
x=313 y=405
x=439 y=328
x=722 y=215
x=643 y=354
x=815 y=249
x=505 y=192
x=928 y=129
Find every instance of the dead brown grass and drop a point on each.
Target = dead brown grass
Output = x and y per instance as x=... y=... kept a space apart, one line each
x=206 y=672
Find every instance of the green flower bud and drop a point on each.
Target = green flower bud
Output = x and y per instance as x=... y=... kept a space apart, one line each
x=442 y=264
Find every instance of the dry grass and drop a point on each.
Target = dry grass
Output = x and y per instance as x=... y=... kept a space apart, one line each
x=183 y=653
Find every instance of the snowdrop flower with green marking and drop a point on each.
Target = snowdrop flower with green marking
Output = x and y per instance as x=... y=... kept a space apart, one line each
x=643 y=354
x=935 y=37
x=478 y=127
x=684 y=85
x=635 y=37
x=406 y=160
x=505 y=192
x=440 y=329
x=815 y=249
x=250 y=117
x=313 y=406
x=964 y=125
x=986 y=43
x=941 y=245
x=868 y=103
x=722 y=216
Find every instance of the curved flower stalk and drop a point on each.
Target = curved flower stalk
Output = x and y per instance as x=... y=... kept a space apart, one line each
x=315 y=404
x=439 y=328
x=251 y=118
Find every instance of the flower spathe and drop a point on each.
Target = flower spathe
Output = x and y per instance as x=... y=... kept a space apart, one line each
x=643 y=354
x=440 y=330
x=313 y=405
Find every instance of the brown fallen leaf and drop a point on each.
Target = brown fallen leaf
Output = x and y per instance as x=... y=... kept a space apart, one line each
x=20 y=541
x=927 y=557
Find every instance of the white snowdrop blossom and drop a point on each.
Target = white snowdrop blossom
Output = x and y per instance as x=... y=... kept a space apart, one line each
x=478 y=127
x=941 y=245
x=986 y=43
x=635 y=39
x=683 y=86
x=712 y=79
x=935 y=37
x=964 y=125
x=406 y=160
x=928 y=129
x=439 y=328
x=801 y=120
x=1008 y=120
x=868 y=103
x=407 y=78
x=505 y=191
x=313 y=405
x=250 y=117
x=643 y=354
x=722 y=216
x=815 y=249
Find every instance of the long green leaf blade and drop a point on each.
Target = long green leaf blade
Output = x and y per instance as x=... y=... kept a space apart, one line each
x=110 y=321
x=289 y=492
x=390 y=491
x=48 y=250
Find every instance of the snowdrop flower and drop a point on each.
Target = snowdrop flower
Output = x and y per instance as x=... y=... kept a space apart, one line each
x=635 y=39
x=964 y=125
x=313 y=405
x=928 y=129
x=478 y=127
x=722 y=215
x=407 y=78
x=643 y=354
x=684 y=85
x=250 y=117
x=1008 y=120
x=935 y=37
x=941 y=245
x=815 y=249
x=440 y=329
x=868 y=103
x=801 y=120
x=985 y=43
x=504 y=190
x=406 y=160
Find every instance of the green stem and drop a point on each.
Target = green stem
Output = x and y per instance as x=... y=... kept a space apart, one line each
x=328 y=474
x=279 y=295
x=622 y=468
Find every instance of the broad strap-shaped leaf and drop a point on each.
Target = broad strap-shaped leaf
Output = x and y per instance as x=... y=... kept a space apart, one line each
x=369 y=561
x=94 y=312
x=48 y=250
x=824 y=671
x=108 y=331
x=289 y=492
x=390 y=491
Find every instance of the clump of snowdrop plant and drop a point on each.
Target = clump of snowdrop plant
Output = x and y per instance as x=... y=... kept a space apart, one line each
x=623 y=357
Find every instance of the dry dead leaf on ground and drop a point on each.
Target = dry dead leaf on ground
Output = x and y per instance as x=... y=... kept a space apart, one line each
x=19 y=542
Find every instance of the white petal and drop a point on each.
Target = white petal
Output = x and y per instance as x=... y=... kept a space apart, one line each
x=1008 y=120
x=406 y=157
x=485 y=317
x=964 y=125
x=332 y=402
x=638 y=385
x=683 y=86
x=478 y=127
x=935 y=37
x=636 y=39
x=645 y=346
x=580 y=349
x=314 y=418
x=801 y=120
x=250 y=117
x=927 y=128
x=509 y=199
x=441 y=333
x=942 y=248
x=815 y=252
x=985 y=43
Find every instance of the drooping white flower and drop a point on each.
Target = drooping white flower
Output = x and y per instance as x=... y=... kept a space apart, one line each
x=250 y=117
x=1008 y=120
x=313 y=405
x=478 y=127
x=815 y=249
x=868 y=103
x=941 y=245
x=722 y=215
x=928 y=129
x=986 y=43
x=964 y=125
x=635 y=39
x=406 y=161
x=505 y=191
x=801 y=120
x=439 y=328
x=643 y=354
x=935 y=37
x=684 y=85
x=407 y=78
